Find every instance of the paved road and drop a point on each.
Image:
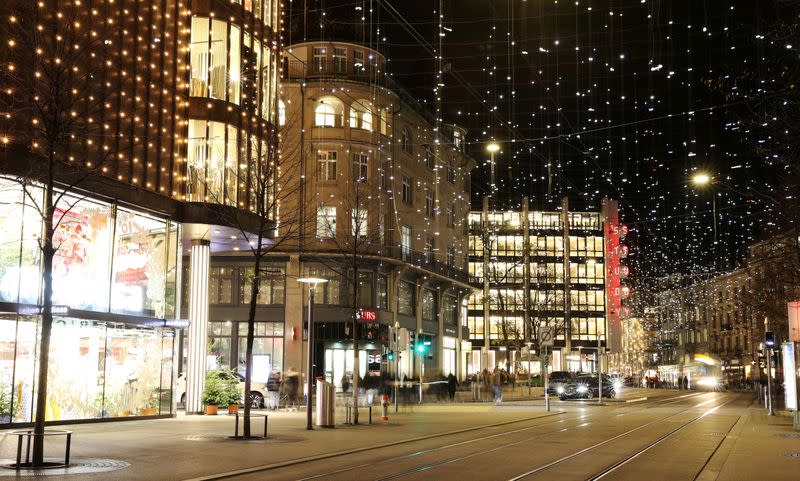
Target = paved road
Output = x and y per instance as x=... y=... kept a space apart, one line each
x=671 y=439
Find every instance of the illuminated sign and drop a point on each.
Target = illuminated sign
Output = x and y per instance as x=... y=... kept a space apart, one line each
x=790 y=379
x=34 y=310
x=367 y=315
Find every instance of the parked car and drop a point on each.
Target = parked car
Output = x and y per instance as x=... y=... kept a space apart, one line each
x=559 y=379
x=585 y=387
x=258 y=391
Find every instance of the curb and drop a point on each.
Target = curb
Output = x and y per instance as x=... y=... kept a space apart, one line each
x=292 y=462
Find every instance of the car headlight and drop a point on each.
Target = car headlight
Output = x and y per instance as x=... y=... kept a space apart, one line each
x=617 y=385
x=560 y=389
x=582 y=388
x=709 y=382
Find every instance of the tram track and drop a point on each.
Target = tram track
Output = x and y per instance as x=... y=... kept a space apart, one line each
x=564 y=418
x=630 y=457
x=638 y=407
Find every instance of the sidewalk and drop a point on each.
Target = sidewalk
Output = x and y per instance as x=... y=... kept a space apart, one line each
x=768 y=439
x=192 y=446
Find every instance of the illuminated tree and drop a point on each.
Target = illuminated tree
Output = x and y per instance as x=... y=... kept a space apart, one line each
x=52 y=101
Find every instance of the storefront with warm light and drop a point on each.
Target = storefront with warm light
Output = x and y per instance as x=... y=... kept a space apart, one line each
x=114 y=285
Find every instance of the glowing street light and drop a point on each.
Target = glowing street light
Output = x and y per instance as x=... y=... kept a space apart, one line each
x=701 y=179
x=312 y=282
x=493 y=147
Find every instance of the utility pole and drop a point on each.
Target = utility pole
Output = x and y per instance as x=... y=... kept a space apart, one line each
x=567 y=290
x=526 y=283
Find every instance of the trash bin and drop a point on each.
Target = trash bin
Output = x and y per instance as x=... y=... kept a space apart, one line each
x=326 y=404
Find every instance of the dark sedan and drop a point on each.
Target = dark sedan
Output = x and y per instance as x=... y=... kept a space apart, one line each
x=585 y=387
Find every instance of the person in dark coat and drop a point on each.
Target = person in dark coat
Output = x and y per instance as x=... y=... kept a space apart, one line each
x=452 y=385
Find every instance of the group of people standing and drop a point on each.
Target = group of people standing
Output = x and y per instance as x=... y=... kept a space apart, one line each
x=486 y=382
x=283 y=389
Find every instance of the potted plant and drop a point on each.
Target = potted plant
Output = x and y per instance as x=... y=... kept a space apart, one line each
x=234 y=393
x=5 y=402
x=215 y=393
x=151 y=405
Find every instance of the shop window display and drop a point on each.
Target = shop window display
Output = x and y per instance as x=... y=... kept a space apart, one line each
x=138 y=283
x=19 y=243
x=96 y=370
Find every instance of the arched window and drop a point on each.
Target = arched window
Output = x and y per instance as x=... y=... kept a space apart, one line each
x=328 y=112
x=325 y=116
x=405 y=141
x=281 y=113
x=361 y=115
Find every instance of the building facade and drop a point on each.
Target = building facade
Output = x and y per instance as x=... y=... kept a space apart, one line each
x=368 y=191
x=563 y=261
x=716 y=327
x=164 y=112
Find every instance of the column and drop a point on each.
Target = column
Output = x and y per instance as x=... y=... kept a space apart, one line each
x=199 y=260
x=293 y=352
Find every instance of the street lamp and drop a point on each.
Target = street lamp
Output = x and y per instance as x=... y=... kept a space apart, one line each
x=312 y=282
x=492 y=148
x=702 y=179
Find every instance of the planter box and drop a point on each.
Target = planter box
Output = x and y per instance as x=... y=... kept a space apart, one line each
x=211 y=409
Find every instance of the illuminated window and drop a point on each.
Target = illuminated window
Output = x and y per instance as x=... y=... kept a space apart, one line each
x=328 y=113
x=281 y=113
x=212 y=162
x=326 y=221
x=326 y=165
x=360 y=167
x=358 y=223
x=361 y=115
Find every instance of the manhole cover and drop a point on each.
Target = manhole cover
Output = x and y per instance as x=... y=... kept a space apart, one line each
x=792 y=455
x=78 y=466
x=203 y=437
x=789 y=435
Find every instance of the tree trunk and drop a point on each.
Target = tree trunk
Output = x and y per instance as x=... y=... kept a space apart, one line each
x=251 y=319
x=48 y=252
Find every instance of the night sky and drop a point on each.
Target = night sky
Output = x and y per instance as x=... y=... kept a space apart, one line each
x=626 y=99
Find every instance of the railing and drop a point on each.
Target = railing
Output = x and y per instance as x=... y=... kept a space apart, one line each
x=425 y=261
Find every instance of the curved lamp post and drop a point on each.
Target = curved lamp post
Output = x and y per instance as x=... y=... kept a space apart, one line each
x=312 y=282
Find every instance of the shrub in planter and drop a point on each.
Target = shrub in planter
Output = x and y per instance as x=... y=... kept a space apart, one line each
x=234 y=395
x=5 y=402
x=214 y=393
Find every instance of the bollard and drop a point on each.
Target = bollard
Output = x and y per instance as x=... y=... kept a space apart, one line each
x=385 y=408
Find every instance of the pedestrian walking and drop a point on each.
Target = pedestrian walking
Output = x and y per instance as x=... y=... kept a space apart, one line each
x=452 y=385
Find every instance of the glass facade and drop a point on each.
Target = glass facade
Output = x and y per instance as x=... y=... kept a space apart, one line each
x=232 y=66
x=96 y=369
x=118 y=265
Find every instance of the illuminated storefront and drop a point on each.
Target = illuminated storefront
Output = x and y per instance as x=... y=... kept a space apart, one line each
x=114 y=284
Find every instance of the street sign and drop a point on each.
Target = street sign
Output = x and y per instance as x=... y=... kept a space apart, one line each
x=546 y=335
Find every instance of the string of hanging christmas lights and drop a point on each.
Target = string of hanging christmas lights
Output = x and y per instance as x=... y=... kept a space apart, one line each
x=627 y=99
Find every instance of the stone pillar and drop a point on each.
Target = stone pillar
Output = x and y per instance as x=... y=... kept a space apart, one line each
x=293 y=352
x=199 y=260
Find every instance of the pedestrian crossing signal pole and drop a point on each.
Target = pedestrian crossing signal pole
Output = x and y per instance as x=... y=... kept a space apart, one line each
x=546 y=382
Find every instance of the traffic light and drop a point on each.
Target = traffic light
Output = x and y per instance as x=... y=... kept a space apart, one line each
x=769 y=339
x=390 y=356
